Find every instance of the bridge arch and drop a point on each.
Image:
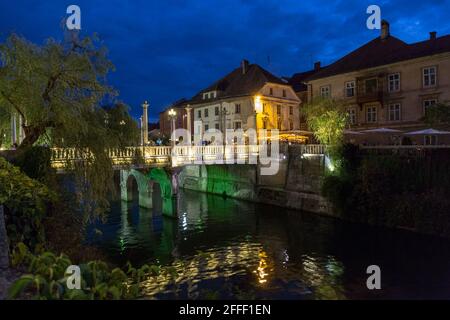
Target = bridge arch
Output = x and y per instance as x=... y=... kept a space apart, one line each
x=167 y=182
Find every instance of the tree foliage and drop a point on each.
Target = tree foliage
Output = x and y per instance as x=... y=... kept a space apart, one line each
x=58 y=89
x=327 y=119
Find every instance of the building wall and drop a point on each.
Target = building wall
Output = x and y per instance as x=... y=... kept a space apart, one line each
x=289 y=111
x=411 y=95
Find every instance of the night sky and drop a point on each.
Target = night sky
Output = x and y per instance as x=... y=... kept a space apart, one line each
x=167 y=49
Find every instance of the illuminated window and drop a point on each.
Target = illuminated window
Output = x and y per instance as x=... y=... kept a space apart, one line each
x=352 y=116
x=394 y=82
x=325 y=91
x=350 y=89
x=371 y=114
x=394 y=112
x=429 y=77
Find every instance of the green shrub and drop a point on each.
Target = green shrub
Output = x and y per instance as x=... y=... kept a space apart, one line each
x=26 y=202
x=46 y=278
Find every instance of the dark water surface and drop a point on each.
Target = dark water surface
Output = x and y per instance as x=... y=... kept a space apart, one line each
x=225 y=248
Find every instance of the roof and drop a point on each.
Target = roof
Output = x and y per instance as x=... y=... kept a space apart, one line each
x=379 y=52
x=297 y=81
x=236 y=83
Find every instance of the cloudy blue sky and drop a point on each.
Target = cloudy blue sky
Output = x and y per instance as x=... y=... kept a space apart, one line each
x=164 y=50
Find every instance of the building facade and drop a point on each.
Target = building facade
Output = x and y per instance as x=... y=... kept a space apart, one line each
x=247 y=98
x=387 y=82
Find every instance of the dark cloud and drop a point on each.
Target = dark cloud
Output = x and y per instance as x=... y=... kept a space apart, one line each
x=167 y=49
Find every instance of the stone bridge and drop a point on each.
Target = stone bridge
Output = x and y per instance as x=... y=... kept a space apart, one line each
x=156 y=169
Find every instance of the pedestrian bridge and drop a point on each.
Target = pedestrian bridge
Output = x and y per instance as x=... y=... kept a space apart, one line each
x=167 y=156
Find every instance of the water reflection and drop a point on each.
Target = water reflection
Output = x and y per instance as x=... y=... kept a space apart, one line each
x=231 y=249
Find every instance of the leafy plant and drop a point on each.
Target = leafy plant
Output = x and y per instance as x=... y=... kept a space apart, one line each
x=46 y=278
x=26 y=201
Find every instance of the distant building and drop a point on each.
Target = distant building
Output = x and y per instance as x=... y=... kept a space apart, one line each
x=183 y=112
x=386 y=82
x=248 y=97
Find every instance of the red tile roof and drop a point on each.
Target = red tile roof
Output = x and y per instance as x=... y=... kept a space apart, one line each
x=380 y=52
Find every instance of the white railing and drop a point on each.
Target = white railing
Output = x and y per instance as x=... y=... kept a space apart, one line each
x=316 y=149
x=163 y=155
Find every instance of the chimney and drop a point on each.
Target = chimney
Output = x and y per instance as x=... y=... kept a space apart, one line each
x=433 y=35
x=384 y=30
x=317 y=65
x=244 y=65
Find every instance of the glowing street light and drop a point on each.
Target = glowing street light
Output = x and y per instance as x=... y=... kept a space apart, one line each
x=172 y=116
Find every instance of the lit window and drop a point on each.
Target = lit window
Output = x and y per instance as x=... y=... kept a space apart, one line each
x=350 y=89
x=394 y=82
x=325 y=91
x=352 y=116
x=429 y=77
x=394 y=112
x=371 y=114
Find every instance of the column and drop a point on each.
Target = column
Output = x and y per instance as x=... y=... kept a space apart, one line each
x=145 y=106
x=21 y=133
x=13 y=129
x=189 y=123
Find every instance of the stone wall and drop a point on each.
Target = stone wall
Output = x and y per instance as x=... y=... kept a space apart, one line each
x=296 y=185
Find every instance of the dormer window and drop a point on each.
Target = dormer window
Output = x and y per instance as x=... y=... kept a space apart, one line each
x=271 y=91
x=209 y=95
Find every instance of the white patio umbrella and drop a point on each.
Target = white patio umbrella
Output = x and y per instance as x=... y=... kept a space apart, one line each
x=381 y=130
x=427 y=132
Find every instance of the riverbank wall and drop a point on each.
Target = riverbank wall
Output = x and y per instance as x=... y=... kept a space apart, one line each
x=296 y=185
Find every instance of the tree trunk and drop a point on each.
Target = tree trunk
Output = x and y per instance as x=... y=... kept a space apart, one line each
x=4 y=248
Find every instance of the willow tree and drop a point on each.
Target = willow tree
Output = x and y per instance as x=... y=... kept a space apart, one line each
x=57 y=89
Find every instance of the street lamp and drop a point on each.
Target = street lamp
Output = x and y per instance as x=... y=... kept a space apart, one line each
x=172 y=116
